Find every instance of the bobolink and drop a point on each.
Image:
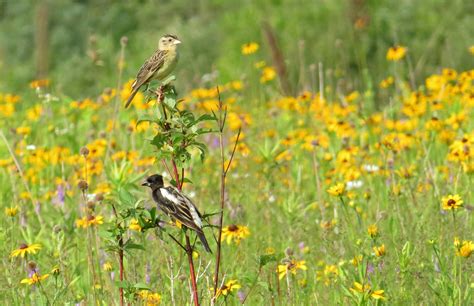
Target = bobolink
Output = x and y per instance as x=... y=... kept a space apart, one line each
x=158 y=66
x=177 y=206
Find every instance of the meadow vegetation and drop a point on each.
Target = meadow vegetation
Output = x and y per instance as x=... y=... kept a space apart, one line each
x=351 y=184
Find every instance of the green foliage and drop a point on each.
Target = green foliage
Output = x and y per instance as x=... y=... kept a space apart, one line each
x=401 y=148
x=178 y=131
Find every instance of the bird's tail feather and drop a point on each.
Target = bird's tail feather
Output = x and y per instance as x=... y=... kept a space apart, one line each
x=132 y=95
x=204 y=242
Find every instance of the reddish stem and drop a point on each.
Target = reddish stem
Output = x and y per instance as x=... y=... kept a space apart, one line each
x=224 y=170
x=189 y=251
x=179 y=185
x=176 y=175
x=122 y=274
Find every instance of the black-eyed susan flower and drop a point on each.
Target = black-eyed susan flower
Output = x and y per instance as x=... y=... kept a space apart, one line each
x=291 y=266
x=451 y=202
x=90 y=220
x=11 y=211
x=328 y=275
x=25 y=249
x=396 y=53
x=379 y=251
x=463 y=249
x=356 y=260
x=385 y=83
x=56 y=271
x=268 y=74
x=107 y=266
x=234 y=233
x=228 y=288
x=365 y=289
x=250 y=48
x=34 y=279
x=39 y=83
x=337 y=190
x=373 y=230
x=151 y=298
x=23 y=130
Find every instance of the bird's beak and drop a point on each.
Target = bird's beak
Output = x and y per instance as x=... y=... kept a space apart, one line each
x=145 y=183
x=177 y=42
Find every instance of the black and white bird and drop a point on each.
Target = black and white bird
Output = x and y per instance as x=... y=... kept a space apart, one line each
x=177 y=206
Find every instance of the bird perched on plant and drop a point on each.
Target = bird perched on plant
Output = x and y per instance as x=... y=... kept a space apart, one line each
x=177 y=206
x=158 y=66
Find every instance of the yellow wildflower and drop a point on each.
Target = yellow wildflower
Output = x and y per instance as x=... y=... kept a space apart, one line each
x=386 y=82
x=39 y=83
x=11 y=211
x=250 y=48
x=451 y=202
x=328 y=275
x=235 y=233
x=34 y=279
x=373 y=231
x=291 y=266
x=107 y=266
x=25 y=249
x=337 y=190
x=365 y=289
x=134 y=225
x=268 y=74
x=464 y=249
x=149 y=297
x=23 y=130
x=356 y=260
x=89 y=221
x=396 y=53
x=379 y=250
x=229 y=286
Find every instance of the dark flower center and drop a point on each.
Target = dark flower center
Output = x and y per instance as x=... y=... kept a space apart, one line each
x=233 y=228
x=451 y=202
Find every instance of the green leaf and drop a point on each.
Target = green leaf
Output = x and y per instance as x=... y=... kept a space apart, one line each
x=265 y=259
x=158 y=141
x=126 y=197
x=122 y=284
x=170 y=98
x=207 y=117
x=133 y=246
x=146 y=119
x=204 y=216
x=142 y=286
x=169 y=79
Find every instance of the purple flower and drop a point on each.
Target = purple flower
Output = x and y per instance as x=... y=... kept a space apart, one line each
x=38 y=208
x=61 y=195
x=241 y=295
x=147 y=273
x=301 y=245
x=370 y=269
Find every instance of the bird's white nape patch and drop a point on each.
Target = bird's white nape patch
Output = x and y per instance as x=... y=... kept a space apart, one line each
x=169 y=196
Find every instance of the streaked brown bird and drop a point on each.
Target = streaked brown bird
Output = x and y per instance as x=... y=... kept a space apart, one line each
x=177 y=206
x=158 y=66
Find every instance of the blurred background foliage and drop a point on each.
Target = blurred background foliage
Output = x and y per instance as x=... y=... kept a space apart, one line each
x=82 y=40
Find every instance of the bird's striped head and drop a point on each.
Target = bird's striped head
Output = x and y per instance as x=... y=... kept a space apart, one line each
x=168 y=42
x=154 y=181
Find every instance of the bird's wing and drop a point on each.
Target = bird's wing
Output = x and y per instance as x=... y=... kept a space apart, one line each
x=182 y=208
x=149 y=68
